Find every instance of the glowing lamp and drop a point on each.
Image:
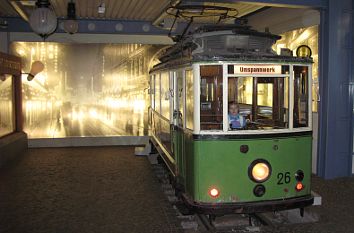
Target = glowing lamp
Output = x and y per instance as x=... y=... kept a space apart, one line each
x=299 y=186
x=37 y=67
x=43 y=20
x=259 y=170
x=214 y=192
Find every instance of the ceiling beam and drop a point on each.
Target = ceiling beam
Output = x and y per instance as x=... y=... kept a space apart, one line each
x=124 y=27
x=18 y=7
x=273 y=3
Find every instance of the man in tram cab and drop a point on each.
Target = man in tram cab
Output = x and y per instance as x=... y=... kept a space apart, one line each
x=236 y=120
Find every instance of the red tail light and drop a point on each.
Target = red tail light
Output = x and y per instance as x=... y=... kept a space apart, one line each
x=299 y=186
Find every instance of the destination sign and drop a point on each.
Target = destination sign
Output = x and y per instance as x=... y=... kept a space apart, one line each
x=257 y=69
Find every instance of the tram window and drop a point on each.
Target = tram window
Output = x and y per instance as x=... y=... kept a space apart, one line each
x=189 y=99
x=152 y=90
x=240 y=92
x=272 y=109
x=157 y=93
x=211 y=97
x=262 y=102
x=301 y=97
x=165 y=95
x=180 y=98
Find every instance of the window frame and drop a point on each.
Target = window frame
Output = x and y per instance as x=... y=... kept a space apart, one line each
x=290 y=75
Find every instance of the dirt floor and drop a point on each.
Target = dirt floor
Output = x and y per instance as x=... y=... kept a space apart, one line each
x=109 y=189
x=106 y=189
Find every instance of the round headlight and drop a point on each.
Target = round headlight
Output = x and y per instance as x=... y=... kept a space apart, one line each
x=259 y=170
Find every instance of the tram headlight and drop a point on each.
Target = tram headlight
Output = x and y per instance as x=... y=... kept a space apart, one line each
x=259 y=170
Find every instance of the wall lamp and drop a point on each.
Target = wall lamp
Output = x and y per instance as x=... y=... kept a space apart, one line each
x=43 y=20
x=36 y=68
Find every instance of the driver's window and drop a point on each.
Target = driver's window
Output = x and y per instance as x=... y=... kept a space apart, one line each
x=240 y=91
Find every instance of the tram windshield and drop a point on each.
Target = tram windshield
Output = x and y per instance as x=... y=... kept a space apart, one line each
x=258 y=103
x=255 y=101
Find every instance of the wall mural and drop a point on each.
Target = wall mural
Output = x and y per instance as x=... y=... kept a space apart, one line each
x=86 y=89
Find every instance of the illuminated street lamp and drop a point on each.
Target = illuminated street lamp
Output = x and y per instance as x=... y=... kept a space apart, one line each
x=43 y=20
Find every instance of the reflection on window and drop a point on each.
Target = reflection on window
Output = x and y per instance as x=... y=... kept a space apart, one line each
x=301 y=107
x=152 y=91
x=303 y=36
x=258 y=103
x=189 y=99
x=6 y=106
x=165 y=95
x=211 y=98
x=157 y=93
x=180 y=100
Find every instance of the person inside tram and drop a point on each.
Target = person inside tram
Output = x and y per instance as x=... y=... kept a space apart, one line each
x=236 y=120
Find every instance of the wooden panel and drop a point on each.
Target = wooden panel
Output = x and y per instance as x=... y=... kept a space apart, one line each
x=10 y=64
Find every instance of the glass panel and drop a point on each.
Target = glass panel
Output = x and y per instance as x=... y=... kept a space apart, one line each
x=211 y=98
x=258 y=103
x=152 y=91
x=272 y=103
x=179 y=76
x=239 y=101
x=165 y=95
x=6 y=106
x=189 y=99
x=157 y=93
x=301 y=108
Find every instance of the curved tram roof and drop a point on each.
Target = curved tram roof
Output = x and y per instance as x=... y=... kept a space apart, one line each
x=231 y=43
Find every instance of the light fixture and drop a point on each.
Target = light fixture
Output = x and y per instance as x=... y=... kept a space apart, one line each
x=259 y=170
x=214 y=192
x=299 y=186
x=303 y=51
x=43 y=20
x=37 y=67
x=101 y=8
x=71 y=26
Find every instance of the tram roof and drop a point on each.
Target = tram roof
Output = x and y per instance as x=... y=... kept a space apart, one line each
x=227 y=43
x=187 y=61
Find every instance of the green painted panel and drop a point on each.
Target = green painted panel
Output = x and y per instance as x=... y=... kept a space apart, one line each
x=190 y=166
x=221 y=164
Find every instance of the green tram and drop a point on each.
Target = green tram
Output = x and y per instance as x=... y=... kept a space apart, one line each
x=265 y=165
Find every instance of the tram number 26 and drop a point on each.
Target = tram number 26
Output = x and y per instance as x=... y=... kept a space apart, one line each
x=283 y=178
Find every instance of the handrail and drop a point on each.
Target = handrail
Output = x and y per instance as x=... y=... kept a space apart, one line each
x=161 y=116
